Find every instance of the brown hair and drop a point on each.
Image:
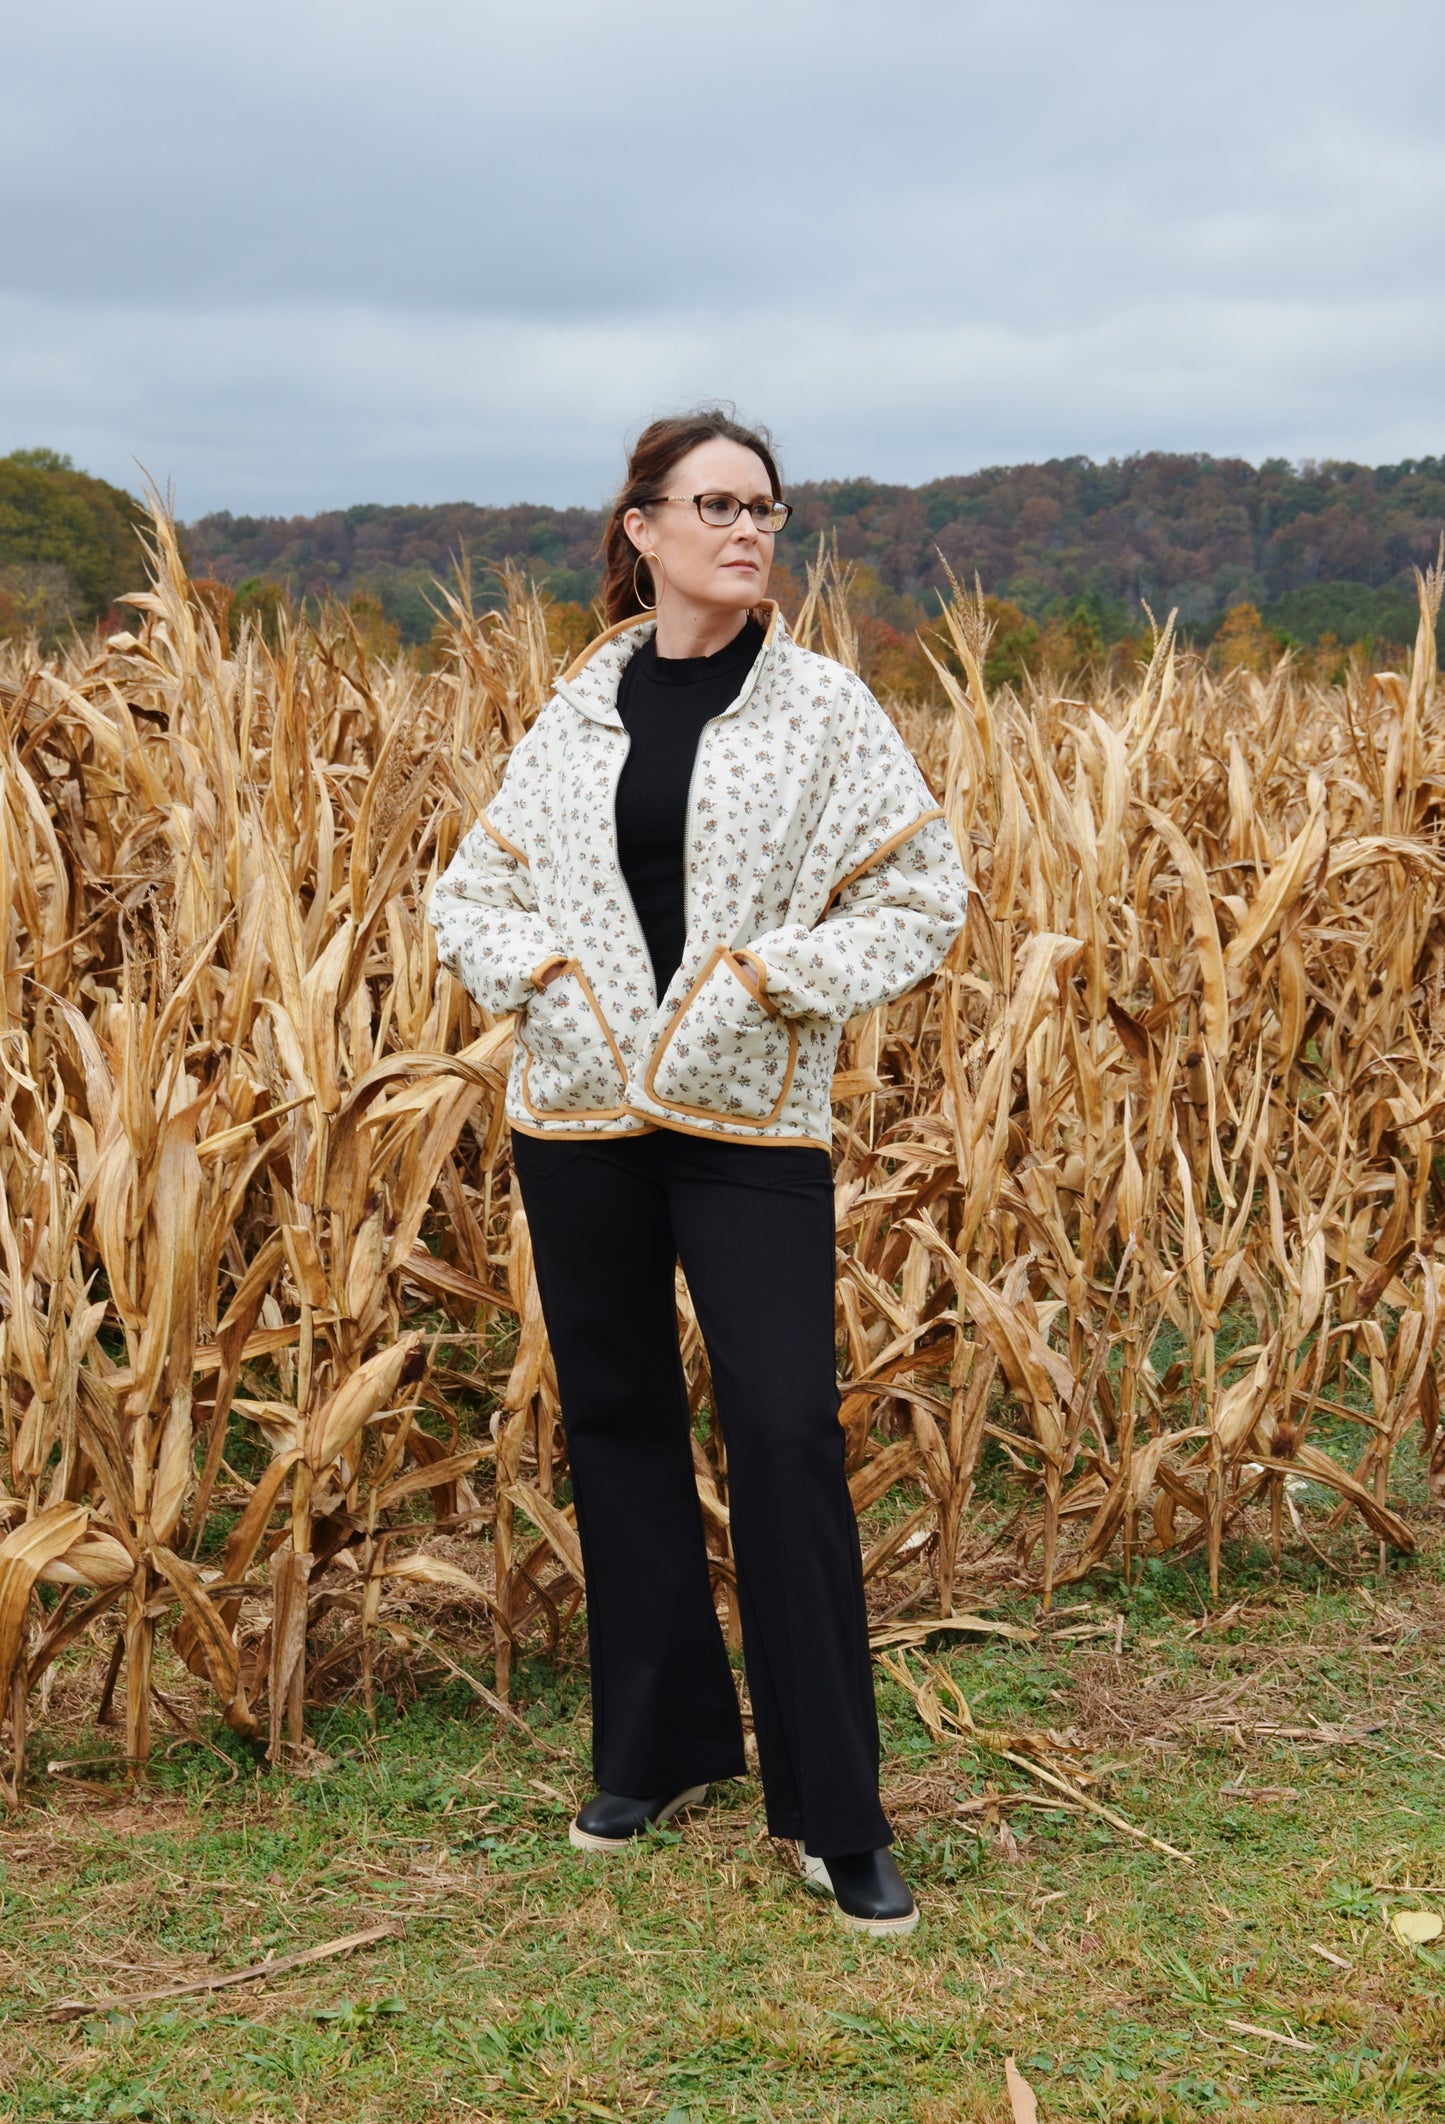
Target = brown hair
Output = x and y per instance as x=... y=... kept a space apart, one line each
x=658 y=448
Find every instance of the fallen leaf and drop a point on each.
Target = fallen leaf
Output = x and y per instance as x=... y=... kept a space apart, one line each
x=1415 y=1927
x=1020 y=2095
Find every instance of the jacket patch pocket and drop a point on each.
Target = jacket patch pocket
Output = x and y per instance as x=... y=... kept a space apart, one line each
x=571 y=1063
x=727 y=1055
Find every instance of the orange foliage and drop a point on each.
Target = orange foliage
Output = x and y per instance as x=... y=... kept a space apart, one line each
x=1243 y=642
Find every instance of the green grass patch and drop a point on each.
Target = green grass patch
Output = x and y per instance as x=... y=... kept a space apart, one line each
x=1292 y=1742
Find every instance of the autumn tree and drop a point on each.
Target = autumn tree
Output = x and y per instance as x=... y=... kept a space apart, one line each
x=1243 y=642
x=68 y=544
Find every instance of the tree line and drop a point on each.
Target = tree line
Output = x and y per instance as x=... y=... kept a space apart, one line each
x=1074 y=554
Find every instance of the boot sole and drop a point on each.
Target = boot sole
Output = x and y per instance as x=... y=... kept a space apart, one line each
x=584 y=1840
x=817 y=1882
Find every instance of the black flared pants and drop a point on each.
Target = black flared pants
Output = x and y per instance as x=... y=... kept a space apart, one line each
x=753 y=1228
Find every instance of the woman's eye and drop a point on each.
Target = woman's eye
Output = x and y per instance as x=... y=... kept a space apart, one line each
x=718 y=508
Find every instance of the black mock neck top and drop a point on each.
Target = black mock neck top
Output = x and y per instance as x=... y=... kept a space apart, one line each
x=664 y=701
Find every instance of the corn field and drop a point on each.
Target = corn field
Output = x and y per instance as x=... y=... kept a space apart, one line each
x=1178 y=1088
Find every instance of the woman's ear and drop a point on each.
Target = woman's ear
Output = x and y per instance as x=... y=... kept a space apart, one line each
x=635 y=524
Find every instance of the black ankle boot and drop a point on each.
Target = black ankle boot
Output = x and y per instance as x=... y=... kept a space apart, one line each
x=609 y=1821
x=870 y=1893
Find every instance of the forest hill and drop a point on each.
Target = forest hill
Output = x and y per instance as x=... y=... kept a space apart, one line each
x=1071 y=552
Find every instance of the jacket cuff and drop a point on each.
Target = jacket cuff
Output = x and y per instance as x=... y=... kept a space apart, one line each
x=553 y=963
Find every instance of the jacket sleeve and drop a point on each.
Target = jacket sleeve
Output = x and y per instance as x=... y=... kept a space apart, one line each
x=483 y=908
x=897 y=896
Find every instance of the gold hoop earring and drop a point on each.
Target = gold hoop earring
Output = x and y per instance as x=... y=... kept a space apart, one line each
x=642 y=601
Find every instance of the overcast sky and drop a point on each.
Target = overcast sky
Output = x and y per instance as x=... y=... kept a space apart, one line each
x=300 y=253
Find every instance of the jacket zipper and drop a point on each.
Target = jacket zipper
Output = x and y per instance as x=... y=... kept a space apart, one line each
x=711 y=723
x=641 y=934
x=686 y=831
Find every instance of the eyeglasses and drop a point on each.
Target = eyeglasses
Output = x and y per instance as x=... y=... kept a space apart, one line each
x=720 y=510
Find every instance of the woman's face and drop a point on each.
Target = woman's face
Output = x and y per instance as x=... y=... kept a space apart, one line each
x=724 y=569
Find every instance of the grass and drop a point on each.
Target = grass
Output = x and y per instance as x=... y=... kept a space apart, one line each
x=694 y=1980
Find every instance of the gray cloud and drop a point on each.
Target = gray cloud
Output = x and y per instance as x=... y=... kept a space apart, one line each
x=323 y=253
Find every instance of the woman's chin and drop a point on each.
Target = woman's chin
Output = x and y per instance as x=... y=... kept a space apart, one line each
x=742 y=589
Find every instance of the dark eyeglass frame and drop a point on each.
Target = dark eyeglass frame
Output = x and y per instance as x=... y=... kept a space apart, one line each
x=718 y=494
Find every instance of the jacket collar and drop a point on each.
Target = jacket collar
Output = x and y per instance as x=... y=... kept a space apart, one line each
x=590 y=684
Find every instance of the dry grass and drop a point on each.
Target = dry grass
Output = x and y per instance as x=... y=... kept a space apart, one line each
x=1183 y=1072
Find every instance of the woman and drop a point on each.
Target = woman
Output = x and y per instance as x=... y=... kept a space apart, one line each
x=709 y=852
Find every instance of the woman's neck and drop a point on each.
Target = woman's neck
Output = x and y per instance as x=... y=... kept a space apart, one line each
x=696 y=630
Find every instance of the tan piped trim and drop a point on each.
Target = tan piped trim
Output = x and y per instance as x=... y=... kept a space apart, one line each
x=651 y=1125
x=558 y=959
x=596 y=1009
x=764 y=1003
x=671 y=1026
x=638 y=619
x=600 y=641
x=501 y=840
x=572 y=970
x=584 y=1135
x=879 y=854
x=760 y=968
x=573 y=1113
x=723 y=1134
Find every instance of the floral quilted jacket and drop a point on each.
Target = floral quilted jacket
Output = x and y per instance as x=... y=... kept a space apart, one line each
x=815 y=856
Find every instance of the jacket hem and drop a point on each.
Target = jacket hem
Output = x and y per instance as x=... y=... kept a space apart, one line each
x=723 y=1134
x=579 y=1135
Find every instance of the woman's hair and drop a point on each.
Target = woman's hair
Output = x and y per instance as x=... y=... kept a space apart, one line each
x=658 y=448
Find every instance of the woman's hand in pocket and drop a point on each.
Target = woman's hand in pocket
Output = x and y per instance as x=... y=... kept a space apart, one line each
x=727 y=1053
x=550 y=970
x=572 y=1063
x=751 y=972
